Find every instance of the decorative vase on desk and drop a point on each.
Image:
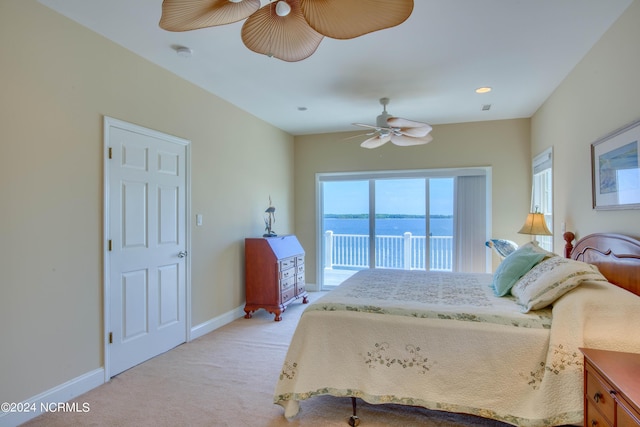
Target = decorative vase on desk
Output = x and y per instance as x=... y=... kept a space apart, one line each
x=269 y=219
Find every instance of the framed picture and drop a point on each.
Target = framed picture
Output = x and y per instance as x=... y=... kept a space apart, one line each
x=615 y=167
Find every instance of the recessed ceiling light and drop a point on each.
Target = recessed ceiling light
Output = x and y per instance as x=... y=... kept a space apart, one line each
x=184 y=51
x=484 y=89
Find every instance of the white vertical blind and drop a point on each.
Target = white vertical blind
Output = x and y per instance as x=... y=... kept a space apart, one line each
x=470 y=221
x=542 y=192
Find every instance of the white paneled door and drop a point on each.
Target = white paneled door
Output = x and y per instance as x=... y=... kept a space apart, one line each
x=146 y=255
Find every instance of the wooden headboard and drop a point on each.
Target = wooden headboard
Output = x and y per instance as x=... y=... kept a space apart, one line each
x=616 y=256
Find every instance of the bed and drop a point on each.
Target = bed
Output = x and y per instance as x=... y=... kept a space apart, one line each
x=445 y=341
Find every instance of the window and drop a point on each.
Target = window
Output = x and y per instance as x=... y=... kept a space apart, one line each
x=542 y=193
x=425 y=220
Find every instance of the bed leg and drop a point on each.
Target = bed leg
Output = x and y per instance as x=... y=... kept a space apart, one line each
x=354 y=420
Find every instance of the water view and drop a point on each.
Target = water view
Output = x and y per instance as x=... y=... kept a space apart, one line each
x=439 y=225
x=347 y=242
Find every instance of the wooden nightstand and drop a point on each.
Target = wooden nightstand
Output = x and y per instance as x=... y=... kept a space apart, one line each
x=612 y=388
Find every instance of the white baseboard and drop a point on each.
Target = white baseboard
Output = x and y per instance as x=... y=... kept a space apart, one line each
x=215 y=323
x=71 y=389
x=311 y=287
x=49 y=400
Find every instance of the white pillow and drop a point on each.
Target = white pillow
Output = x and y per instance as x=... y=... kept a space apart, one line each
x=550 y=279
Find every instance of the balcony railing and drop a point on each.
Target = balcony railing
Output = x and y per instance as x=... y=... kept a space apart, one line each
x=407 y=252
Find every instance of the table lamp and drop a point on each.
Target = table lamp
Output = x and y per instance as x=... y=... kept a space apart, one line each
x=535 y=225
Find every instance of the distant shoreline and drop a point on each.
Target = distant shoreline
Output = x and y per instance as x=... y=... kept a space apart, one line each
x=382 y=216
x=389 y=225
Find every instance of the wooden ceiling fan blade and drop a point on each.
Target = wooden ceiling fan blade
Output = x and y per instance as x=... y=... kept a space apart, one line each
x=347 y=19
x=186 y=15
x=289 y=38
x=410 y=127
x=376 y=141
x=406 y=141
x=415 y=132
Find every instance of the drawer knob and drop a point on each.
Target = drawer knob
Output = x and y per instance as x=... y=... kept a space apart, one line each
x=594 y=423
x=597 y=398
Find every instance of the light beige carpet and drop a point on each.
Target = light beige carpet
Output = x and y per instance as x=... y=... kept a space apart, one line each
x=227 y=378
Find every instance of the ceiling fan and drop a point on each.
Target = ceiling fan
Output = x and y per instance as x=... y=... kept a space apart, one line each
x=290 y=30
x=399 y=131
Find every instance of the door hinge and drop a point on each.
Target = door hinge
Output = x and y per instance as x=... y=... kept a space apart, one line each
x=110 y=337
x=110 y=245
x=110 y=153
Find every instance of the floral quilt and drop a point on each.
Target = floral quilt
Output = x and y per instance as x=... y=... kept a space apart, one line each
x=444 y=341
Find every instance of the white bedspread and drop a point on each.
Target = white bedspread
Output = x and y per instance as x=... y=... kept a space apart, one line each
x=443 y=341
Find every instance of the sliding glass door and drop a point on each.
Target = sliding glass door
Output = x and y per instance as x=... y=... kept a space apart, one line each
x=345 y=229
x=440 y=231
x=403 y=220
x=400 y=223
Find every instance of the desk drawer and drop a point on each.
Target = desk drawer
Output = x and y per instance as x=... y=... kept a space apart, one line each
x=300 y=286
x=287 y=282
x=287 y=294
x=285 y=274
x=287 y=263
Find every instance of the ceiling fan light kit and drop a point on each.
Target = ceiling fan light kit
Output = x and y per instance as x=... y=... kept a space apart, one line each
x=282 y=8
x=399 y=131
x=290 y=30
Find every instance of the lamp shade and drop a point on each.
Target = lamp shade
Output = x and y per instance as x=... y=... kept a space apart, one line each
x=536 y=225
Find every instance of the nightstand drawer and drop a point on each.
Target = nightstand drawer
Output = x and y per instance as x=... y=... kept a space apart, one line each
x=625 y=418
x=593 y=418
x=611 y=388
x=598 y=395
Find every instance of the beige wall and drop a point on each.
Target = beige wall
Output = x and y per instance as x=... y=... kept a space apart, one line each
x=503 y=145
x=58 y=80
x=600 y=95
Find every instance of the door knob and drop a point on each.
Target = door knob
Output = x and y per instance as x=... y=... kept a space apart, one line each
x=182 y=254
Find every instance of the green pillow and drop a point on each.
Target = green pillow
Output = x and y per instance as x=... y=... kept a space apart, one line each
x=512 y=268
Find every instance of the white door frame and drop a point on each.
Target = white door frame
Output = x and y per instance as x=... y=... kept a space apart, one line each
x=109 y=122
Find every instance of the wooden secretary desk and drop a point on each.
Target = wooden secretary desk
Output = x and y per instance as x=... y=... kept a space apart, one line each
x=274 y=274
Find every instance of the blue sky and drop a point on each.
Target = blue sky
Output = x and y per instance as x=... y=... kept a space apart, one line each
x=393 y=196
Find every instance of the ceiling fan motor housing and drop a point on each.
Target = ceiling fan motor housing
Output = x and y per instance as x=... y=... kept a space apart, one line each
x=381 y=120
